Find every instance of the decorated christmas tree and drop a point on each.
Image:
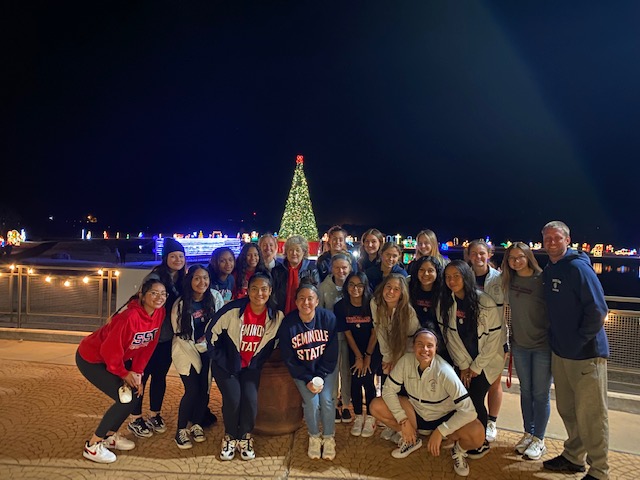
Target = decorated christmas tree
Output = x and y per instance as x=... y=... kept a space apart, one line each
x=298 y=217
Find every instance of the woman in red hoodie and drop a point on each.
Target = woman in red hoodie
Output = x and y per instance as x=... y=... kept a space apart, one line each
x=116 y=355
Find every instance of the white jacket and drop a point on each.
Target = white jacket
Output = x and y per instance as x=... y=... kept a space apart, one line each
x=493 y=286
x=183 y=352
x=490 y=357
x=434 y=394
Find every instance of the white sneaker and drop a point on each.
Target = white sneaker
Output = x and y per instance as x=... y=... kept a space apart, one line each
x=405 y=449
x=228 y=448
x=98 y=453
x=245 y=445
x=387 y=433
x=356 y=430
x=492 y=431
x=459 y=456
x=198 y=433
x=369 y=427
x=118 y=442
x=523 y=443
x=315 y=445
x=329 y=448
x=535 y=450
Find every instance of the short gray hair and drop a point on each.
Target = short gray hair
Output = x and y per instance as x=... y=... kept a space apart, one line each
x=298 y=240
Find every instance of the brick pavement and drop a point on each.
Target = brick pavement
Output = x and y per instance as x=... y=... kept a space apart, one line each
x=47 y=411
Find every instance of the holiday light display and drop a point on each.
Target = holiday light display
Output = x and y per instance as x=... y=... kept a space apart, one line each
x=298 y=217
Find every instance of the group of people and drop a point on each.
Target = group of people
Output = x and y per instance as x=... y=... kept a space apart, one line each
x=431 y=335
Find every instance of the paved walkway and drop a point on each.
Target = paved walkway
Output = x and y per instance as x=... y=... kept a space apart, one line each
x=47 y=410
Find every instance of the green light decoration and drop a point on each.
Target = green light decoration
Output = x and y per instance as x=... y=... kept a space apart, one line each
x=298 y=217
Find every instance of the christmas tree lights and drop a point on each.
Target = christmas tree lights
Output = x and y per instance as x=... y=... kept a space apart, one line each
x=298 y=217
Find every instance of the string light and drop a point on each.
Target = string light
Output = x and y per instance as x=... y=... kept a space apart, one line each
x=47 y=279
x=67 y=283
x=85 y=280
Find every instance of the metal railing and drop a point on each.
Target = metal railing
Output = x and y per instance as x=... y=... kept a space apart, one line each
x=83 y=299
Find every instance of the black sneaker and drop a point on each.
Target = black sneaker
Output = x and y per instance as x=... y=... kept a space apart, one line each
x=346 y=416
x=139 y=428
x=182 y=439
x=338 y=416
x=479 y=452
x=156 y=423
x=561 y=464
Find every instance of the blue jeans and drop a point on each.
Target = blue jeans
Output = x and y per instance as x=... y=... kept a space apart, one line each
x=534 y=373
x=319 y=407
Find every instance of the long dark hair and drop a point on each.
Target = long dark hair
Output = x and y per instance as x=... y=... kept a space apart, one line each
x=415 y=287
x=470 y=294
x=174 y=289
x=186 y=309
x=144 y=288
x=214 y=269
x=366 y=294
x=242 y=266
x=271 y=303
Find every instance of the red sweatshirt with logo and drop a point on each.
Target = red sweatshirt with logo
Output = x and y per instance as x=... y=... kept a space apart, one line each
x=132 y=334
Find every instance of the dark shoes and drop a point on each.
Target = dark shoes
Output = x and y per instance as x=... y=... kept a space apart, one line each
x=561 y=464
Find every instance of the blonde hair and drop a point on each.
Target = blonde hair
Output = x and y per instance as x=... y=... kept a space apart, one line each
x=433 y=241
x=394 y=324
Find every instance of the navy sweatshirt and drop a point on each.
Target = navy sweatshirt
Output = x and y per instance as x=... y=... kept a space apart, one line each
x=576 y=308
x=309 y=349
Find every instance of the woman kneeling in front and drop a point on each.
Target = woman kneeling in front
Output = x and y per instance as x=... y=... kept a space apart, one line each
x=437 y=404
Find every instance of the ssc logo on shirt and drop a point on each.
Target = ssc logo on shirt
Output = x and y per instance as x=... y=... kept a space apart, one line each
x=142 y=339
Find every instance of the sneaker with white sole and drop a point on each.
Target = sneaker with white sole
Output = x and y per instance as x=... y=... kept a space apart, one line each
x=535 y=450
x=369 y=427
x=315 y=447
x=346 y=416
x=405 y=449
x=459 y=457
x=328 y=448
x=479 y=452
x=198 y=433
x=182 y=439
x=98 y=453
x=491 y=432
x=523 y=443
x=228 y=448
x=156 y=423
x=387 y=433
x=245 y=446
x=139 y=428
x=118 y=442
x=356 y=430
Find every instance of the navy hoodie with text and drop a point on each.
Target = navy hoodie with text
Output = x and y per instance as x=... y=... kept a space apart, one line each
x=576 y=308
x=309 y=350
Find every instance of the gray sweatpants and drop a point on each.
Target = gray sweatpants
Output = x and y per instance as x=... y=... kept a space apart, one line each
x=581 y=398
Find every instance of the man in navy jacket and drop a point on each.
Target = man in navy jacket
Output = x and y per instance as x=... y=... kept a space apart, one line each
x=577 y=311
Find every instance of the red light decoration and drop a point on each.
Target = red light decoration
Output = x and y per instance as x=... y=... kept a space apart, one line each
x=299 y=160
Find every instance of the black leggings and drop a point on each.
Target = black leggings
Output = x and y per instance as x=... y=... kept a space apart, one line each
x=157 y=369
x=196 y=394
x=239 y=399
x=357 y=384
x=478 y=389
x=108 y=383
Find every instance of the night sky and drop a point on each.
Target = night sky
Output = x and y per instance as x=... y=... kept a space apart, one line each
x=469 y=118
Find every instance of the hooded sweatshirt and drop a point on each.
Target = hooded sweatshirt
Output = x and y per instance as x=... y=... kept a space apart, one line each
x=131 y=334
x=576 y=308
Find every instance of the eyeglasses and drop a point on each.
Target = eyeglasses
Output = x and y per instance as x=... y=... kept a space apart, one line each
x=156 y=294
x=359 y=286
x=519 y=257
